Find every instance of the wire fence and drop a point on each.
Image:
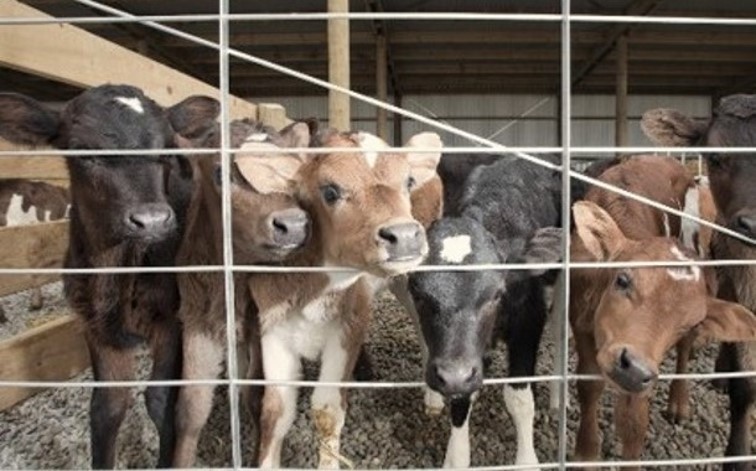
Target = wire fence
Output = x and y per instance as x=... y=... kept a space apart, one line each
x=562 y=377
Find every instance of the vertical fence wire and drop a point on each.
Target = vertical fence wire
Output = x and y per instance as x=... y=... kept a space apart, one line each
x=228 y=252
x=563 y=354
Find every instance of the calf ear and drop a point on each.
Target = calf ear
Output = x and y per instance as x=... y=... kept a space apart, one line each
x=194 y=116
x=296 y=135
x=24 y=120
x=597 y=230
x=268 y=173
x=545 y=246
x=726 y=322
x=666 y=127
x=423 y=164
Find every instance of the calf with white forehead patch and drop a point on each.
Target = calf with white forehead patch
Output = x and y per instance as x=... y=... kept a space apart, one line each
x=126 y=211
x=625 y=320
x=508 y=212
x=731 y=177
x=361 y=211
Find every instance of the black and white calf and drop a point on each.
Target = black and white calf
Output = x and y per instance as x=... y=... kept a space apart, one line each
x=508 y=213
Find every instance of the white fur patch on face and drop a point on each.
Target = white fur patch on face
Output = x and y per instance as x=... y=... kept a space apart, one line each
x=371 y=142
x=454 y=249
x=692 y=273
x=16 y=216
x=132 y=102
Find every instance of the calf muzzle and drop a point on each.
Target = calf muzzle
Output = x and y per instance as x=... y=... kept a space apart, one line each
x=152 y=221
x=744 y=222
x=403 y=241
x=632 y=373
x=455 y=378
x=289 y=228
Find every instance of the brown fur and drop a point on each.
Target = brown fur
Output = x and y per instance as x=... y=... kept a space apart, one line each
x=648 y=318
x=345 y=233
x=202 y=308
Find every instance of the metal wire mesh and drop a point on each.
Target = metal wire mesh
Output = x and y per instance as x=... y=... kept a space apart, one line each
x=483 y=145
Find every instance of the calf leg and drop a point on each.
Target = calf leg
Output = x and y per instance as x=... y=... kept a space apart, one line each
x=161 y=400
x=203 y=358
x=678 y=407
x=742 y=396
x=526 y=323
x=109 y=405
x=434 y=402
x=631 y=423
x=588 y=441
x=279 y=403
x=458 y=448
x=557 y=324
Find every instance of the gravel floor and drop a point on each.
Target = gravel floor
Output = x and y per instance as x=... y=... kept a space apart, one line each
x=385 y=428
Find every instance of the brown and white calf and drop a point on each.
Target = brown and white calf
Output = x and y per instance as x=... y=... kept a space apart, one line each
x=731 y=177
x=267 y=226
x=126 y=211
x=30 y=202
x=624 y=320
x=361 y=211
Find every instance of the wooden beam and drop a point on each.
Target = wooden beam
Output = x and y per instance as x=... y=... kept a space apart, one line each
x=339 y=115
x=272 y=114
x=71 y=55
x=54 y=351
x=33 y=246
x=381 y=86
x=39 y=167
x=637 y=7
x=620 y=95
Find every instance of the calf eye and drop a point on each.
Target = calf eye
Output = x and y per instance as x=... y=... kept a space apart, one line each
x=623 y=281
x=411 y=182
x=331 y=193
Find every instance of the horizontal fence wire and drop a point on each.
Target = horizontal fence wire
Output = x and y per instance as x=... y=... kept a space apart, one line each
x=488 y=147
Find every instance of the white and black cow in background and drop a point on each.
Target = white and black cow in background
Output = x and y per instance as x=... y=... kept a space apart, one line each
x=28 y=202
x=508 y=212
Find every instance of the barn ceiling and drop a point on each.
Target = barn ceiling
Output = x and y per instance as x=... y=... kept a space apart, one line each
x=445 y=56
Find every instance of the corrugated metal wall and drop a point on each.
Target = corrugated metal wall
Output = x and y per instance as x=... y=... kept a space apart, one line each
x=500 y=116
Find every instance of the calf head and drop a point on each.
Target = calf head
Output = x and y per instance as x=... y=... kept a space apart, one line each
x=119 y=197
x=731 y=175
x=267 y=224
x=642 y=312
x=457 y=309
x=360 y=200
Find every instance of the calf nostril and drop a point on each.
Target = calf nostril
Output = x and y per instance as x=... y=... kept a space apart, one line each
x=473 y=374
x=280 y=226
x=747 y=223
x=136 y=221
x=440 y=376
x=624 y=360
x=388 y=235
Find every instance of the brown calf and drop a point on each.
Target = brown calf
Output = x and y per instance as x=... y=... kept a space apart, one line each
x=28 y=202
x=267 y=226
x=625 y=320
x=362 y=218
x=732 y=124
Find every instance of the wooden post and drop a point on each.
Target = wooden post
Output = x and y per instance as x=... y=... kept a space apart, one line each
x=381 y=86
x=620 y=118
x=272 y=114
x=338 y=65
x=397 y=121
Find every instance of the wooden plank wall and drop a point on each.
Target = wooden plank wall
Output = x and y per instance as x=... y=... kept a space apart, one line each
x=34 y=246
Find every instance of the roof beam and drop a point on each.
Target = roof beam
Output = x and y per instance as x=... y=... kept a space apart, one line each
x=638 y=7
x=381 y=30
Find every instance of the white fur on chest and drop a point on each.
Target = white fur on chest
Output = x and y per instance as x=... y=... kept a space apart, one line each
x=307 y=329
